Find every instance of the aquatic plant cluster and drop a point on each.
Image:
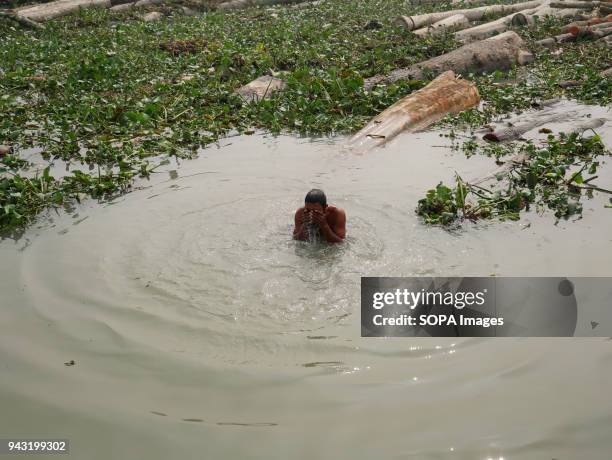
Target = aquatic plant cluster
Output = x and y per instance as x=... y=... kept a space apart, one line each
x=119 y=96
x=552 y=176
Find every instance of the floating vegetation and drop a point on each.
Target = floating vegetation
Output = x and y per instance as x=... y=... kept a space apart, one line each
x=552 y=176
x=120 y=95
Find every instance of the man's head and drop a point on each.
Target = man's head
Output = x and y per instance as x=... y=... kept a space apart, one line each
x=315 y=200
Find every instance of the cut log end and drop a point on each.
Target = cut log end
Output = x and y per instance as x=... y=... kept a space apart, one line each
x=524 y=57
x=405 y=21
x=260 y=88
x=491 y=137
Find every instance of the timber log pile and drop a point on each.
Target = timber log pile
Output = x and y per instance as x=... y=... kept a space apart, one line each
x=464 y=23
x=466 y=26
x=488 y=45
x=31 y=16
x=496 y=53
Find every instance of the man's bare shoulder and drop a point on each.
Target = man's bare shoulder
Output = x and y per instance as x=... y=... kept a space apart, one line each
x=335 y=211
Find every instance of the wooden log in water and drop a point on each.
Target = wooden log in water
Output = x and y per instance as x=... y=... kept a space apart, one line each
x=575 y=4
x=523 y=157
x=472 y=14
x=607 y=41
x=551 y=42
x=529 y=17
x=45 y=11
x=589 y=22
x=496 y=53
x=455 y=22
x=498 y=26
x=589 y=124
x=25 y=22
x=547 y=11
x=260 y=88
x=601 y=33
x=237 y=4
x=594 y=31
x=446 y=94
x=527 y=123
x=152 y=16
x=122 y=7
x=146 y=3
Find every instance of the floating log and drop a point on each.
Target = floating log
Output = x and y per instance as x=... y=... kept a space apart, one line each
x=597 y=30
x=570 y=83
x=600 y=33
x=26 y=22
x=550 y=42
x=307 y=4
x=152 y=16
x=122 y=7
x=446 y=94
x=524 y=57
x=143 y=3
x=522 y=125
x=260 y=88
x=522 y=18
x=586 y=125
x=592 y=32
x=51 y=10
x=602 y=25
x=589 y=22
x=236 y=4
x=606 y=40
x=498 y=26
x=455 y=22
x=546 y=10
x=528 y=17
x=495 y=53
x=472 y=14
x=575 y=4
x=464 y=2
x=547 y=102
x=521 y=158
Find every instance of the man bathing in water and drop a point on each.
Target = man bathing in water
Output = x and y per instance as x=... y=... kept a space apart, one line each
x=317 y=217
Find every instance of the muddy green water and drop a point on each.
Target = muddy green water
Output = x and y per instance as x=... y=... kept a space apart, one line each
x=200 y=330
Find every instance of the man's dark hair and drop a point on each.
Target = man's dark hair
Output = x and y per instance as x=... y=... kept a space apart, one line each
x=316 y=196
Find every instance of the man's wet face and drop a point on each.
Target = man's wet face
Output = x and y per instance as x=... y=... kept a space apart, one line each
x=313 y=207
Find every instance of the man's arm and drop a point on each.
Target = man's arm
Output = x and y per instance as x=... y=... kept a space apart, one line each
x=335 y=231
x=299 y=230
x=339 y=224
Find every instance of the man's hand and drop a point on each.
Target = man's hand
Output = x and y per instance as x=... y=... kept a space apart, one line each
x=319 y=218
x=333 y=230
x=307 y=216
